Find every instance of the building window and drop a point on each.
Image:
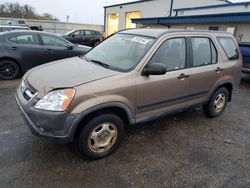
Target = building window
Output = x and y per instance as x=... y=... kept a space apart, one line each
x=129 y=16
x=231 y=30
x=112 y=23
x=213 y=28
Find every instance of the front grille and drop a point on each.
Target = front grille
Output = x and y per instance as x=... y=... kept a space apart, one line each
x=27 y=90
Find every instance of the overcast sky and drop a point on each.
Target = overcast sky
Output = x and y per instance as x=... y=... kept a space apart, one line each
x=82 y=11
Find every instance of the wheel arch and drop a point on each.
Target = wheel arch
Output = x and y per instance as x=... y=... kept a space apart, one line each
x=118 y=108
x=227 y=84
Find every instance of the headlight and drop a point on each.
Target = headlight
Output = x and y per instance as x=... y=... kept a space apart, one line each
x=57 y=100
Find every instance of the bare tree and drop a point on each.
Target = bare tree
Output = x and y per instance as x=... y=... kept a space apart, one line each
x=18 y=11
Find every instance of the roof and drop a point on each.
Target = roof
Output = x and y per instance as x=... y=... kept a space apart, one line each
x=25 y=32
x=228 y=4
x=207 y=18
x=146 y=32
x=133 y=2
x=158 y=32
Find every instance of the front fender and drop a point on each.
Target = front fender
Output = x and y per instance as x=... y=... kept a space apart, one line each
x=85 y=113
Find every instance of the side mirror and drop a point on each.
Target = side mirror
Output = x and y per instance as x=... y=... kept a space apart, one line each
x=69 y=47
x=154 y=69
x=73 y=35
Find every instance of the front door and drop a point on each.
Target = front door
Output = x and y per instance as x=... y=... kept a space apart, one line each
x=55 y=48
x=164 y=93
x=77 y=37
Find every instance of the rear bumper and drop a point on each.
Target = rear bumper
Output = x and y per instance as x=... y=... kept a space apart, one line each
x=245 y=70
x=56 y=125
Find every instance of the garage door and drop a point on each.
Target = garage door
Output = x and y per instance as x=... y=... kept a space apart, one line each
x=129 y=16
x=112 y=25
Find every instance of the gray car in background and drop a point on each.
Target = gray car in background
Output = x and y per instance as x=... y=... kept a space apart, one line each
x=22 y=50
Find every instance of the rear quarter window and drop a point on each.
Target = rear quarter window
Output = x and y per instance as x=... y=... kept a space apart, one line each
x=229 y=47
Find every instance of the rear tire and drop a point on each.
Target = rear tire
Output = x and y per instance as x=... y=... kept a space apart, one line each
x=9 y=69
x=217 y=104
x=101 y=136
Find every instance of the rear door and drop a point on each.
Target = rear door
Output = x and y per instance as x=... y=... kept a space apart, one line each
x=55 y=48
x=89 y=38
x=206 y=68
x=27 y=48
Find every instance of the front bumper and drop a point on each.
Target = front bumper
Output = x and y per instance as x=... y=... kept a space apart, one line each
x=56 y=125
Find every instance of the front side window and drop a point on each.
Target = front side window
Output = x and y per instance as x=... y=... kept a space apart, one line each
x=229 y=47
x=204 y=52
x=121 y=51
x=171 y=53
x=29 y=39
x=78 y=33
x=53 y=41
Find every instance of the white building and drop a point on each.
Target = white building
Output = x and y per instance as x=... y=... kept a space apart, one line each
x=181 y=14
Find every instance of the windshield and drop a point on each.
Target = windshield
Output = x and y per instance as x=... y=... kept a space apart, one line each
x=69 y=32
x=121 y=52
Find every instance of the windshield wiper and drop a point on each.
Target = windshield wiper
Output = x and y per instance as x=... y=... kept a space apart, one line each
x=100 y=63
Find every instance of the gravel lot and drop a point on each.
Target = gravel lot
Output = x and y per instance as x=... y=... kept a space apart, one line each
x=184 y=150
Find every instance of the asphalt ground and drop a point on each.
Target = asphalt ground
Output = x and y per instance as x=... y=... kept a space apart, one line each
x=184 y=150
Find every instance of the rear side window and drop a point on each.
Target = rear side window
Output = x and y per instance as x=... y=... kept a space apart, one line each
x=229 y=47
x=171 y=53
x=78 y=33
x=88 y=32
x=25 y=39
x=204 y=52
x=53 y=41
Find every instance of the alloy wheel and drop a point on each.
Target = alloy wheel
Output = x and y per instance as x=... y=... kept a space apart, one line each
x=103 y=137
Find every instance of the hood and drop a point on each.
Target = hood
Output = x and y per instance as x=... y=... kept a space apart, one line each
x=66 y=73
x=82 y=48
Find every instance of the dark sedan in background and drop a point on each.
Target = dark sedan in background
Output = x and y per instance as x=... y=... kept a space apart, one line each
x=22 y=50
x=84 y=37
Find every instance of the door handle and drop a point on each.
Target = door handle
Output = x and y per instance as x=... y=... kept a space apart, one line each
x=218 y=70
x=13 y=48
x=47 y=50
x=183 y=76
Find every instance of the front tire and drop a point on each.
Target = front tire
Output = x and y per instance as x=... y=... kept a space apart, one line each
x=101 y=136
x=9 y=69
x=217 y=104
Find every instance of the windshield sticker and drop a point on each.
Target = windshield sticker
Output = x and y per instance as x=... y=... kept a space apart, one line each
x=140 y=40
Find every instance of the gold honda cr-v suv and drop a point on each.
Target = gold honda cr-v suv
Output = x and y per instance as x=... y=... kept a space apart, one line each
x=132 y=77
